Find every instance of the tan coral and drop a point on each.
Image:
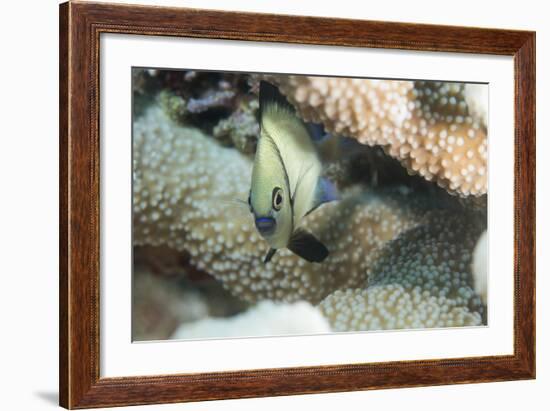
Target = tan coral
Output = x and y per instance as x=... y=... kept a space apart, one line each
x=422 y=279
x=185 y=186
x=159 y=305
x=391 y=307
x=435 y=129
x=264 y=319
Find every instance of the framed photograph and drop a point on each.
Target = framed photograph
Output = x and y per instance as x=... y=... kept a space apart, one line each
x=259 y=205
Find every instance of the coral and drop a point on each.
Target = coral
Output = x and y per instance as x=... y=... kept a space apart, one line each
x=162 y=301
x=264 y=319
x=479 y=267
x=399 y=257
x=435 y=129
x=185 y=187
x=159 y=305
x=139 y=81
x=241 y=128
x=201 y=99
x=175 y=106
x=162 y=261
x=392 y=307
x=212 y=99
x=180 y=108
x=421 y=279
x=219 y=104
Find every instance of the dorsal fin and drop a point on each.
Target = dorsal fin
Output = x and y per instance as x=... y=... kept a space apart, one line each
x=270 y=97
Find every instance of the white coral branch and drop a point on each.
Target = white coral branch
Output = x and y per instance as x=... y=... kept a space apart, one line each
x=265 y=319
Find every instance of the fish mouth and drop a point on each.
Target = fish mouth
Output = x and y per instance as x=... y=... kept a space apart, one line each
x=265 y=225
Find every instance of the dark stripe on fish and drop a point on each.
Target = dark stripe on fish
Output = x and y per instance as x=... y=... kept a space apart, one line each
x=287 y=181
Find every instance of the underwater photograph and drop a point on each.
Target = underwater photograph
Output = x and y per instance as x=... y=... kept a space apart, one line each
x=282 y=204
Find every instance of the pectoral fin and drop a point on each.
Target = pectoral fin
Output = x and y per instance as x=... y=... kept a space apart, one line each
x=305 y=245
x=269 y=255
x=325 y=192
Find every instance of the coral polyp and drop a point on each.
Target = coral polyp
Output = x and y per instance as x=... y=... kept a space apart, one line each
x=184 y=197
x=435 y=129
x=408 y=159
x=422 y=279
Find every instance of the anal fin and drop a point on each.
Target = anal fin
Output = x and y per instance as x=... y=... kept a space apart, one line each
x=305 y=245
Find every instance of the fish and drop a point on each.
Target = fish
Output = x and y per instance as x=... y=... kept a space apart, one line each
x=287 y=182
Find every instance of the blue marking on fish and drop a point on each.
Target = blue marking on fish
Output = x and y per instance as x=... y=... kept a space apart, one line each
x=326 y=191
x=265 y=225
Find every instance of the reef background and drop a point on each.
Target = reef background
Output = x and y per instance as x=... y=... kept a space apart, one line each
x=408 y=158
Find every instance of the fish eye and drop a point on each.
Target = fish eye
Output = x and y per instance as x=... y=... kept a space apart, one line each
x=277 y=198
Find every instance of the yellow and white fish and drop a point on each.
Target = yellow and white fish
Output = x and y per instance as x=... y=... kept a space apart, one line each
x=286 y=179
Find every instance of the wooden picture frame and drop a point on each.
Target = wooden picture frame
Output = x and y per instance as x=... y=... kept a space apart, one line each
x=81 y=24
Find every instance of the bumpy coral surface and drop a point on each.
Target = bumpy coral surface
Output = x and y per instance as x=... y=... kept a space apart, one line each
x=241 y=127
x=435 y=129
x=185 y=187
x=422 y=279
